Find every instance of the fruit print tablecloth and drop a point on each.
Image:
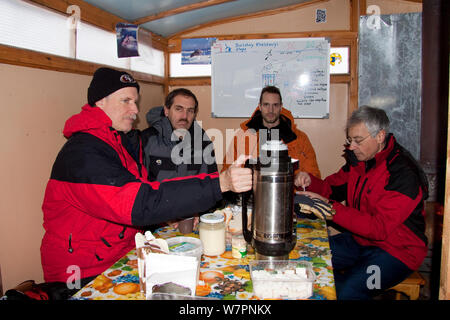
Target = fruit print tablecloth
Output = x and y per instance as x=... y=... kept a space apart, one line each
x=221 y=277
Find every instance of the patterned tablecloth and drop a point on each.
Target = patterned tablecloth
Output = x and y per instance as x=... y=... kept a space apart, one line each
x=222 y=277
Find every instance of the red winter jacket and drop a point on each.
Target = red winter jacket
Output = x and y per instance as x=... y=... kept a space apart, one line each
x=385 y=202
x=97 y=198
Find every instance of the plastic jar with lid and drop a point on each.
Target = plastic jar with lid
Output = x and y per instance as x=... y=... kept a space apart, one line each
x=212 y=233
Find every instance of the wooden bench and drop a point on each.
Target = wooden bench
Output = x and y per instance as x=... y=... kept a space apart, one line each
x=410 y=286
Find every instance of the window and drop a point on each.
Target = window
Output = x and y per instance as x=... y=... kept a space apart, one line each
x=44 y=30
x=37 y=29
x=339 y=64
x=99 y=46
x=339 y=60
x=187 y=70
x=149 y=61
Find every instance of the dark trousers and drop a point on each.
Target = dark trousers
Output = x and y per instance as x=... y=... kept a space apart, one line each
x=362 y=272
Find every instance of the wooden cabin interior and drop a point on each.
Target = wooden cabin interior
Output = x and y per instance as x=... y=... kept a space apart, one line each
x=40 y=91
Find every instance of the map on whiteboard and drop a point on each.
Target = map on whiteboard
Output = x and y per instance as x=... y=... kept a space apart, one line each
x=298 y=67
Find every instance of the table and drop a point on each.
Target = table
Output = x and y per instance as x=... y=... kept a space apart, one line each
x=221 y=277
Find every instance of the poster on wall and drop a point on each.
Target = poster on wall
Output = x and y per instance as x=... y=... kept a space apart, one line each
x=196 y=51
x=127 y=44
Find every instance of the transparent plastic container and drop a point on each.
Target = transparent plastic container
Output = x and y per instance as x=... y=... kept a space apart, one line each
x=186 y=246
x=282 y=279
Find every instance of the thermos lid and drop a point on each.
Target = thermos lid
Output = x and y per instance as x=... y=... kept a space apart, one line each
x=212 y=218
x=274 y=145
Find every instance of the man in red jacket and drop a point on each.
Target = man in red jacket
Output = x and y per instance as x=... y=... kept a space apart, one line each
x=383 y=218
x=98 y=195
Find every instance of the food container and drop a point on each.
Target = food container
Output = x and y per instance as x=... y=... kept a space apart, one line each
x=171 y=296
x=238 y=247
x=212 y=233
x=282 y=279
x=185 y=246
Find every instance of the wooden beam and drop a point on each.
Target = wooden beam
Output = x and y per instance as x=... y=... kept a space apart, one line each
x=186 y=8
x=88 y=12
x=353 y=88
x=444 y=285
x=34 y=59
x=190 y=81
x=166 y=72
x=246 y=16
x=354 y=15
x=362 y=7
x=355 y=12
x=96 y=17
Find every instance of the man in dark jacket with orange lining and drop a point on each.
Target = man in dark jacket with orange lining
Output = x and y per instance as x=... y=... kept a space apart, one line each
x=98 y=195
x=384 y=219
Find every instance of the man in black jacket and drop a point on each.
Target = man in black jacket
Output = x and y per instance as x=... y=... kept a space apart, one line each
x=175 y=145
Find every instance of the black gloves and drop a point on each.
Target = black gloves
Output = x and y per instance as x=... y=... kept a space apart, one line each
x=316 y=206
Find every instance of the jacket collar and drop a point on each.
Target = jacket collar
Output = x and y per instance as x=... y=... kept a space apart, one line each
x=285 y=127
x=89 y=119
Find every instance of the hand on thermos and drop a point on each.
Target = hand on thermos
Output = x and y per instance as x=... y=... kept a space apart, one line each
x=315 y=205
x=236 y=178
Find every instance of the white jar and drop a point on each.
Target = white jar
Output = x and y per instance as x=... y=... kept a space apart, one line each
x=212 y=233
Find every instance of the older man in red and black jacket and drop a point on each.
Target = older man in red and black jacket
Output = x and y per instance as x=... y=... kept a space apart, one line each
x=384 y=190
x=98 y=195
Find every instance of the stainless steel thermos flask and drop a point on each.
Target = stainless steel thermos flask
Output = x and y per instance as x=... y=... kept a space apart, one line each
x=273 y=221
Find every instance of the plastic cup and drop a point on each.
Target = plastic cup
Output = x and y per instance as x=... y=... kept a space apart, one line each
x=186 y=226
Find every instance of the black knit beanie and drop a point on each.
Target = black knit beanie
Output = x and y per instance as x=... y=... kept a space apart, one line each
x=107 y=81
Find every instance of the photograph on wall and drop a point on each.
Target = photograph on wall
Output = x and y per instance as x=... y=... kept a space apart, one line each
x=127 y=44
x=196 y=51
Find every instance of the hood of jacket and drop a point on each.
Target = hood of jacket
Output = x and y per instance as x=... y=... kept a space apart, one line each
x=287 y=126
x=88 y=120
x=158 y=120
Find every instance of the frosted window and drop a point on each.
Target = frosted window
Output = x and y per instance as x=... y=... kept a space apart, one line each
x=149 y=61
x=187 y=70
x=98 y=46
x=28 y=26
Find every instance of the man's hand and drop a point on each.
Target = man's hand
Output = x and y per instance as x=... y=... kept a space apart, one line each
x=174 y=223
x=318 y=207
x=236 y=178
x=302 y=179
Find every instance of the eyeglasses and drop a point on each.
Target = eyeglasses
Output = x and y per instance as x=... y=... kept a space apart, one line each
x=349 y=141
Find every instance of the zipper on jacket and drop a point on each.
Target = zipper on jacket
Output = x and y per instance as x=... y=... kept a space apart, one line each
x=122 y=233
x=70 y=244
x=354 y=192
x=116 y=134
x=360 y=194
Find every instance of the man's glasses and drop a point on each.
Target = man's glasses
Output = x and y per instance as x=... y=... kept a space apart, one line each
x=349 y=141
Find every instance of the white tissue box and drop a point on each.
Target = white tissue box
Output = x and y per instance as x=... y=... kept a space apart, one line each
x=163 y=272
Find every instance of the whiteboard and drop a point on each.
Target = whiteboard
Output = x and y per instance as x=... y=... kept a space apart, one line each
x=299 y=67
